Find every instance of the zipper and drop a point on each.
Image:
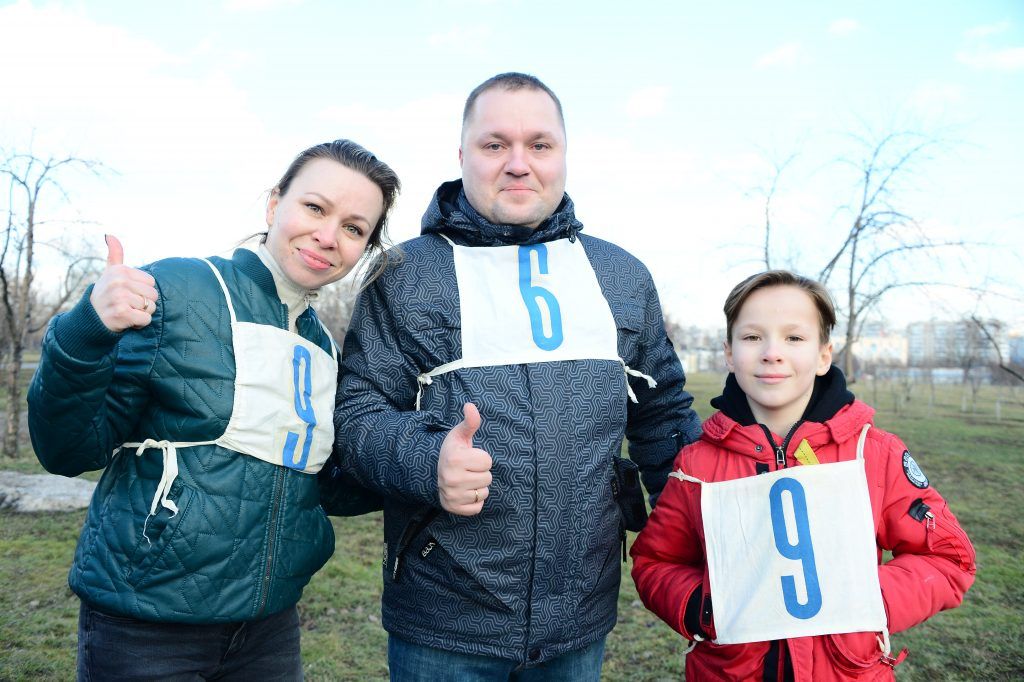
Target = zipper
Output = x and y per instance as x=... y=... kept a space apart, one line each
x=780 y=450
x=275 y=511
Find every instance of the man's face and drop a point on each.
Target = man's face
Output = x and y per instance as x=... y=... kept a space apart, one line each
x=513 y=156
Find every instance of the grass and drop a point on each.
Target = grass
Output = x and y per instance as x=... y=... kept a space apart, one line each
x=976 y=461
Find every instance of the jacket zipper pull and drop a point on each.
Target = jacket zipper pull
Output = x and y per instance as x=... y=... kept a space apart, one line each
x=929 y=522
x=780 y=457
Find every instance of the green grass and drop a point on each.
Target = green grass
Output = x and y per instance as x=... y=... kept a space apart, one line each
x=974 y=460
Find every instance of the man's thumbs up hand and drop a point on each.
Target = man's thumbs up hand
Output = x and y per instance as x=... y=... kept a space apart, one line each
x=463 y=472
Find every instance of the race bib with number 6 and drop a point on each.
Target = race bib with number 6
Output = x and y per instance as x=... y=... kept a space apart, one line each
x=534 y=303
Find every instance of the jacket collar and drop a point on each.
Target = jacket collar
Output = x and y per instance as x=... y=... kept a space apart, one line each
x=250 y=264
x=451 y=214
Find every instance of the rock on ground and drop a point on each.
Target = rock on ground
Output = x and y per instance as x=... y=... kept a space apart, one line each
x=43 y=492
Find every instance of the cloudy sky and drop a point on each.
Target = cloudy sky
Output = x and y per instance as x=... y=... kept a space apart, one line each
x=676 y=113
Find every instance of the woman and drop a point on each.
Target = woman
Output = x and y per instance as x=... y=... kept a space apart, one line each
x=205 y=389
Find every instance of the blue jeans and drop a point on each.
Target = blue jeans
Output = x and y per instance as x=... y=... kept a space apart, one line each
x=414 y=663
x=120 y=648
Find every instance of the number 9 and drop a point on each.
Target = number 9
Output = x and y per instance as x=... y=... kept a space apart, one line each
x=800 y=550
x=303 y=408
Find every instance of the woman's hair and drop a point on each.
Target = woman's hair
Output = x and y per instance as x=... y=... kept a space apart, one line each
x=777 y=278
x=357 y=158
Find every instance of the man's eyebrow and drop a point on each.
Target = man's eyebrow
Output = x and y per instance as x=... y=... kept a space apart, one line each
x=534 y=135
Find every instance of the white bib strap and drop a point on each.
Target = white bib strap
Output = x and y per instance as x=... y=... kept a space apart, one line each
x=426 y=378
x=883 y=639
x=170 y=473
x=860 y=443
x=678 y=473
x=651 y=383
x=227 y=295
x=883 y=642
x=444 y=237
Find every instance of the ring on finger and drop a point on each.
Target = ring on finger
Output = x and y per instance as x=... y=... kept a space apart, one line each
x=145 y=302
x=476 y=495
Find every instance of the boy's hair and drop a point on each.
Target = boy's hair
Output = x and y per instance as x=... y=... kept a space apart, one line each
x=777 y=278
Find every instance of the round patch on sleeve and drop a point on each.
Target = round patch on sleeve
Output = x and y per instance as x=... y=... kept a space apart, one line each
x=913 y=472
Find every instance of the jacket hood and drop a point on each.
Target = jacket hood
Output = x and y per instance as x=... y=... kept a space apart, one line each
x=830 y=395
x=450 y=214
x=832 y=414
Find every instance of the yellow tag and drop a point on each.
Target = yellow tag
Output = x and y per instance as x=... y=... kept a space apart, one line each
x=805 y=455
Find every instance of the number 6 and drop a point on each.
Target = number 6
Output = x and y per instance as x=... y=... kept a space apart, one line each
x=801 y=550
x=531 y=295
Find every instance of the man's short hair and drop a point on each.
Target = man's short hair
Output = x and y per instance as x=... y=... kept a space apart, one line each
x=511 y=81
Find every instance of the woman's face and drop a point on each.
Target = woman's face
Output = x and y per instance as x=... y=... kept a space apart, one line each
x=319 y=228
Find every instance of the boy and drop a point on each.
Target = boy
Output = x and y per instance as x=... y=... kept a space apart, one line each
x=778 y=576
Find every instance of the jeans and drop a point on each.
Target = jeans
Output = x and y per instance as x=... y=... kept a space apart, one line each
x=121 y=648
x=414 y=663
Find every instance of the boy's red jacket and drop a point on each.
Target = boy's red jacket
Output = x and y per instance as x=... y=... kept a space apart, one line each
x=931 y=568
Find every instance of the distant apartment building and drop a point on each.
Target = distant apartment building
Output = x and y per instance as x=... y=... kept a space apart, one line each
x=1015 y=342
x=889 y=350
x=955 y=343
x=699 y=349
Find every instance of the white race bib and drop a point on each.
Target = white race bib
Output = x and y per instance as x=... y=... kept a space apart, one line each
x=283 y=410
x=792 y=553
x=536 y=303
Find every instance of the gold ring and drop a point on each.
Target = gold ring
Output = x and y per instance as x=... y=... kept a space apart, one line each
x=476 y=496
x=145 y=302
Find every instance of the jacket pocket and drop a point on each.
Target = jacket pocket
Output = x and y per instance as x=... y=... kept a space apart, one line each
x=855 y=653
x=160 y=531
x=947 y=539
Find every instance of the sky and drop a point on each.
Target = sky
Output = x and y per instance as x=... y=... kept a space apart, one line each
x=676 y=115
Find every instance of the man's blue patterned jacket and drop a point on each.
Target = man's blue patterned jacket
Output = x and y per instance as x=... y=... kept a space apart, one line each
x=536 y=573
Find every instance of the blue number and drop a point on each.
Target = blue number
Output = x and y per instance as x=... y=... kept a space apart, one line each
x=303 y=408
x=801 y=549
x=532 y=293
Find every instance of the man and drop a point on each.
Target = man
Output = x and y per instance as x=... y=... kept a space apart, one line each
x=489 y=379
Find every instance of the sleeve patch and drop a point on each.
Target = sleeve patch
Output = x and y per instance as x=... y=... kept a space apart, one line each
x=913 y=472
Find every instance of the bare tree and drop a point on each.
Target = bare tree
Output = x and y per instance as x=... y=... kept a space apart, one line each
x=778 y=167
x=877 y=252
x=984 y=329
x=31 y=182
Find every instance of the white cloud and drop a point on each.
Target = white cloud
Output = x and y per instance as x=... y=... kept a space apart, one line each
x=784 y=55
x=647 y=102
x=186 y=152
x=987 y=30
x=843 y=26
x=1005 y=59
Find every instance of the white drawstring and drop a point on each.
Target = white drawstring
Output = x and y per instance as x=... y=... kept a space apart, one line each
x=170 y=473
x=167 y=478
x=678 y=473
x=883 y=642
x=651 y=383
x=422 y=380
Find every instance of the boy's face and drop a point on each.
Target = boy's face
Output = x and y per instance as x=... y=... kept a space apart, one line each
x=775 y=352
